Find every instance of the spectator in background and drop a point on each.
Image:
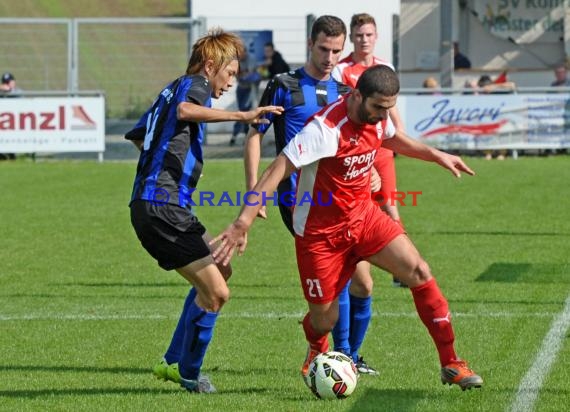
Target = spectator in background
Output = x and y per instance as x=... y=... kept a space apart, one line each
x=248 y=81
x=274 y=62
x=561 y=75
x=486 y=85
x=471 y=86
x=484 y=80
x=431 y=85
x=460 y=61
x=8 y=88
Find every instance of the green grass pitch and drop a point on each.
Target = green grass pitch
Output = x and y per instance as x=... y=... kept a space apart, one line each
x=85 y=313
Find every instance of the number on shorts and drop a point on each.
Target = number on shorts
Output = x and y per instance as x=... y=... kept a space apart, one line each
x=315 y=290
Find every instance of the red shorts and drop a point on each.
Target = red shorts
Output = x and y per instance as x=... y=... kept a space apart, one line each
x=327 y=263
x=384 y=165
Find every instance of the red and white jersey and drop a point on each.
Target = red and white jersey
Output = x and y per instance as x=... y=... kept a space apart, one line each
x=347 y=71
x=334 y=156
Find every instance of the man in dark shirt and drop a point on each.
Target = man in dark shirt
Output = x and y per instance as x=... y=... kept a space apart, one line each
x=561 y=76
x=460 y=61
x=8 y=88
x=274 y=62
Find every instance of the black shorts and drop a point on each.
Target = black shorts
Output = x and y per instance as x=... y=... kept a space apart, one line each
x=287 y=217
x=171 y=234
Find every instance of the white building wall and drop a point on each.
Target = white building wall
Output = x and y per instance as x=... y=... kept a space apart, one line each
x=529 y=65
x=284 y=18
x=287 y=20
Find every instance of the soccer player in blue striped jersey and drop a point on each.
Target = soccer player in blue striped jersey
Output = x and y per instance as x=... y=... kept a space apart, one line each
x=302 y=93
x=170 y=136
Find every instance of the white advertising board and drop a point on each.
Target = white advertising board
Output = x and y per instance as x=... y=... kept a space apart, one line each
x=489 y=121
x=52 y=124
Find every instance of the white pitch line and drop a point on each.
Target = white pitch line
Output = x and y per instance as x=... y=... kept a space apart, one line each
x=531 y=383
x=63 y=316
x=256 y=315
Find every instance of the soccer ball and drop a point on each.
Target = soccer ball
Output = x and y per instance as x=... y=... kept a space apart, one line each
x=332 y=375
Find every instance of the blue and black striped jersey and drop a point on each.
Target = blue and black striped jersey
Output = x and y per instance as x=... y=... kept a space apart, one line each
x=171 y=160
x=301 y=96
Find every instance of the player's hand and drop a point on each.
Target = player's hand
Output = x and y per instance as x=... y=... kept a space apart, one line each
x=234 y=237
x=255 y=116
x=262 y=213
x=375 y=180
x=454 y=164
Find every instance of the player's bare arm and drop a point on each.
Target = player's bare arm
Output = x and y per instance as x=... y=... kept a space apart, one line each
x=192 y=112
x=396 y=119
x=251 y=159
x=403 y=144
x=375 y=180
x=234 y=236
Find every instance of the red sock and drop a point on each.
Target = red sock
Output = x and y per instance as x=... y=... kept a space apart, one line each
x=317 y=342
x=434 y=312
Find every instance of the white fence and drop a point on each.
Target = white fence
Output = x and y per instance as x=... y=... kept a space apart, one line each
x=131 y=59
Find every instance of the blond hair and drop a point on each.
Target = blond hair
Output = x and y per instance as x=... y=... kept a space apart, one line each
x=219 y=46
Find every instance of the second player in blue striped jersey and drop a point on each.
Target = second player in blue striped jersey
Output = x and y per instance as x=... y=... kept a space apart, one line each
x=301 y=93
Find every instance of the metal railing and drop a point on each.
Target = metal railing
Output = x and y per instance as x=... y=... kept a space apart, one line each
x=129 y=58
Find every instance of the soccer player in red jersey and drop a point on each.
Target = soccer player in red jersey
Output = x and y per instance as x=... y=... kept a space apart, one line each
x=363 y=35
x=302 y=93
x=333 y=155
x=355 y=305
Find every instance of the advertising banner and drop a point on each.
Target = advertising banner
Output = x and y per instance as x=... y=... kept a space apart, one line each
x=496 y=121
x=52 y=124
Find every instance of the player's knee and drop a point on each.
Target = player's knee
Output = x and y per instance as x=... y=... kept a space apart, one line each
x=323 y=324
x=421 y=272
x=216 y=300
x=222 y=297
x=361 y=287
x=330 y=324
